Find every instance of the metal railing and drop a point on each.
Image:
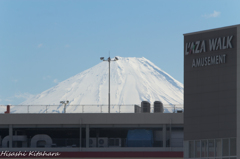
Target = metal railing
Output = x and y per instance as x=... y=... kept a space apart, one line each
x=86 y=108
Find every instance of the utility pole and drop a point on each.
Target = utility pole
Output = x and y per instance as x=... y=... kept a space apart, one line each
x=109 y=60
x=65 y=103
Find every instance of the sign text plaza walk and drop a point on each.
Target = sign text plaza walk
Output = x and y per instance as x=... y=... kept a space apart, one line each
x=215 y=44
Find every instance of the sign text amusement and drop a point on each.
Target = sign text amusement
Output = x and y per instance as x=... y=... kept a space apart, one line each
x=215 y=44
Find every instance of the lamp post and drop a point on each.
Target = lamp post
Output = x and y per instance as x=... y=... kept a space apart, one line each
x=109 y=60
x=65 y=103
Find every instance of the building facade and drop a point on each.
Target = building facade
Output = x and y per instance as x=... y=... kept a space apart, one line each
x=212 y=93
x=93 y=135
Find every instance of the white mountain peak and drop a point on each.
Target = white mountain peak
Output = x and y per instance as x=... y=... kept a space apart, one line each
x=132 y=80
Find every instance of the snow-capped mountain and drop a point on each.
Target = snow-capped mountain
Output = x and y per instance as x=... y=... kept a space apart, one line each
x=132 y=80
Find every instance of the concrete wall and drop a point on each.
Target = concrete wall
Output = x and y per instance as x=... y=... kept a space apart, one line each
x=93 y=118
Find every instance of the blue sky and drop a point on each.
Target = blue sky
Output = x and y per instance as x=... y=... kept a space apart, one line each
x=45 y=42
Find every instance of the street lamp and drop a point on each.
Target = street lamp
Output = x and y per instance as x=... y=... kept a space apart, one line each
x=65 y=103
x=109 y=60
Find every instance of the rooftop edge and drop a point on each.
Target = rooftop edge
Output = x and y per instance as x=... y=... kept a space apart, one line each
x=214 y=29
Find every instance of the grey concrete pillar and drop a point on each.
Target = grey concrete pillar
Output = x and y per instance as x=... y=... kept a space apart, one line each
x=87 y=135
x=80 y=135
x=10 y=130
x=97 y=137
x=164 y=129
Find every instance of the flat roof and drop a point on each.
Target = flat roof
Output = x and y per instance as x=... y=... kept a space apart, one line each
x=215 y=29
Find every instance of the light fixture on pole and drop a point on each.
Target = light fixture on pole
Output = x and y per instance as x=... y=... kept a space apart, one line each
x=109 y=60
x=65 y=103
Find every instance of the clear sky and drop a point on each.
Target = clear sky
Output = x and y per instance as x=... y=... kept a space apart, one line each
x=43 y=42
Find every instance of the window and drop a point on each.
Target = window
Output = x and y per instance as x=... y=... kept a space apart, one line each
x=233 y=147
x=197 y=149
x=225 y=147
x=210 y=148
x=191 y=149
x=218 y=147
x=204 y=148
